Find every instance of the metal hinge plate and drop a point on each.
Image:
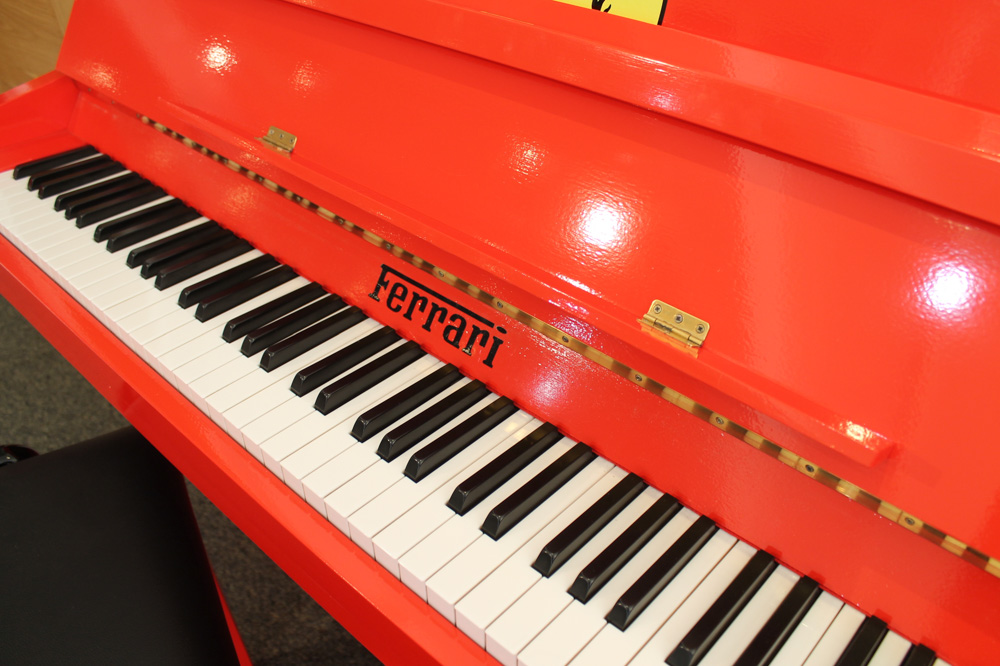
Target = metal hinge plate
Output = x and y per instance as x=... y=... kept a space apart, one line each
x=665 y=319
x=279 y=139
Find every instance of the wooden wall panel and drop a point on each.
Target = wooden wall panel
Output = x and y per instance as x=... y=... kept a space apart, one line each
x=31 y=32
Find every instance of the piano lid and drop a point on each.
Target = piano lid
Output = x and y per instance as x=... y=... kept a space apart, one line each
x=580 y=166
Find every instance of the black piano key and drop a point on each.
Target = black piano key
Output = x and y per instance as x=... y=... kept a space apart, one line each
x=508 y=513
x=864 y=643
x=199 y=291
x=781 y=624
x=52 y=161
x=75 y=204
x=138 y=255
x=349 y=387
x=565 y=544
x=71 y=202
x=342 y=360
x=637 y=597
x=190 y=266
x=700 y=639
x=226 y=300
x=402 y=438
x=161 y=210
x=195 y=246
x=387 y=412
x=501 y=469
x=601 y=569
x=919 y=655
x=237 y=327
x=79 y=179
x=136 y=233
x=275 y=331
x=64 y=170
x=294 y=346
x=118 y=205
x=433 y=455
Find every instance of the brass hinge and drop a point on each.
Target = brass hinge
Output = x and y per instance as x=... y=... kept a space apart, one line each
x=279 y=139
x=667 y=320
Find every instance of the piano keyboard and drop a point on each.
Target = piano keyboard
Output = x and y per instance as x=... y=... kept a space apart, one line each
x=535 y=547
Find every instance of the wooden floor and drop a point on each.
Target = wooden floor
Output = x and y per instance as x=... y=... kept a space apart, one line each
x=30 y=34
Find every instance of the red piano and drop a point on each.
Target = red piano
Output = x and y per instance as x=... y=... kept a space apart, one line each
x=632 y=332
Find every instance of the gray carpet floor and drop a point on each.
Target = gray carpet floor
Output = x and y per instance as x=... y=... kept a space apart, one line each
x=46 y=404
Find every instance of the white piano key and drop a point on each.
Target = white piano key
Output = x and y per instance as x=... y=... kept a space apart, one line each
x=110 y=267
x=211 y=335
x=405 y=496
x=224 y=352
x=289 y=408
x=252 y=384
x=803 y=639
x=838 y=635
x=278 y=389
x=381 y=506
x=752 y=618
x=684 y=618
x=314 y=460
x=508 y=582
x=230 y=372
x=459 y=576
x=613 y=647
x=308 y=442
x=96 y=293
x=428 y=514
x=312 y=469
x=578 y=623
x=891 y=651
x=144 y=324
x=446 y=542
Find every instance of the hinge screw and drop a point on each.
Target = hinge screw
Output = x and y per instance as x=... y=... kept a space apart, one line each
x=700 y=328
x=678 y=318
x=657 y=309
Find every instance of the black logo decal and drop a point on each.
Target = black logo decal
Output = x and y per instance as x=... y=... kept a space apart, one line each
x=417 y=302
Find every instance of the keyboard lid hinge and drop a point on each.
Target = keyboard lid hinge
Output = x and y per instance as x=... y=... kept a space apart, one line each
x=279 y=139
x=665 y=319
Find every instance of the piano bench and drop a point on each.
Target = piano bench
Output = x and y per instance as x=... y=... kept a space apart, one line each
x=101 y=561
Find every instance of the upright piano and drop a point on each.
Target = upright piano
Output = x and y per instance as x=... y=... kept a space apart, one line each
x=631 y=331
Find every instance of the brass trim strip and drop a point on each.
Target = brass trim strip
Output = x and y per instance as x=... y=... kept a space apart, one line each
x=908 y=521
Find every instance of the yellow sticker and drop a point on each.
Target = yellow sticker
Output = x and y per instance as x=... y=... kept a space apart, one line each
x=647 y=11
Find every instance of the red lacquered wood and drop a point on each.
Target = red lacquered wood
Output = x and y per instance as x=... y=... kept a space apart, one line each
x=849 y=323
x=858 y=555
x=371 y=604
x=844 y=122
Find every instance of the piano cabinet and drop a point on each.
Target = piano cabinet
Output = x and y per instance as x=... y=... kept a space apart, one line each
x=783 y=459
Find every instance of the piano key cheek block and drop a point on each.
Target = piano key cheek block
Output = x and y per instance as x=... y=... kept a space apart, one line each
x=421 y=300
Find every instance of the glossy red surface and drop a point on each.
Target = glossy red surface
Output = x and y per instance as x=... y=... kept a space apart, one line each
x=851 y=323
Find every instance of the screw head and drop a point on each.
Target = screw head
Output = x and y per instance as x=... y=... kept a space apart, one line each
x=810 y=469
x=910 y=521
x=638 y=377
x=657 y=309
x=720 y=420
x=565 y=339
x=678 y=318
x=700 y=328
